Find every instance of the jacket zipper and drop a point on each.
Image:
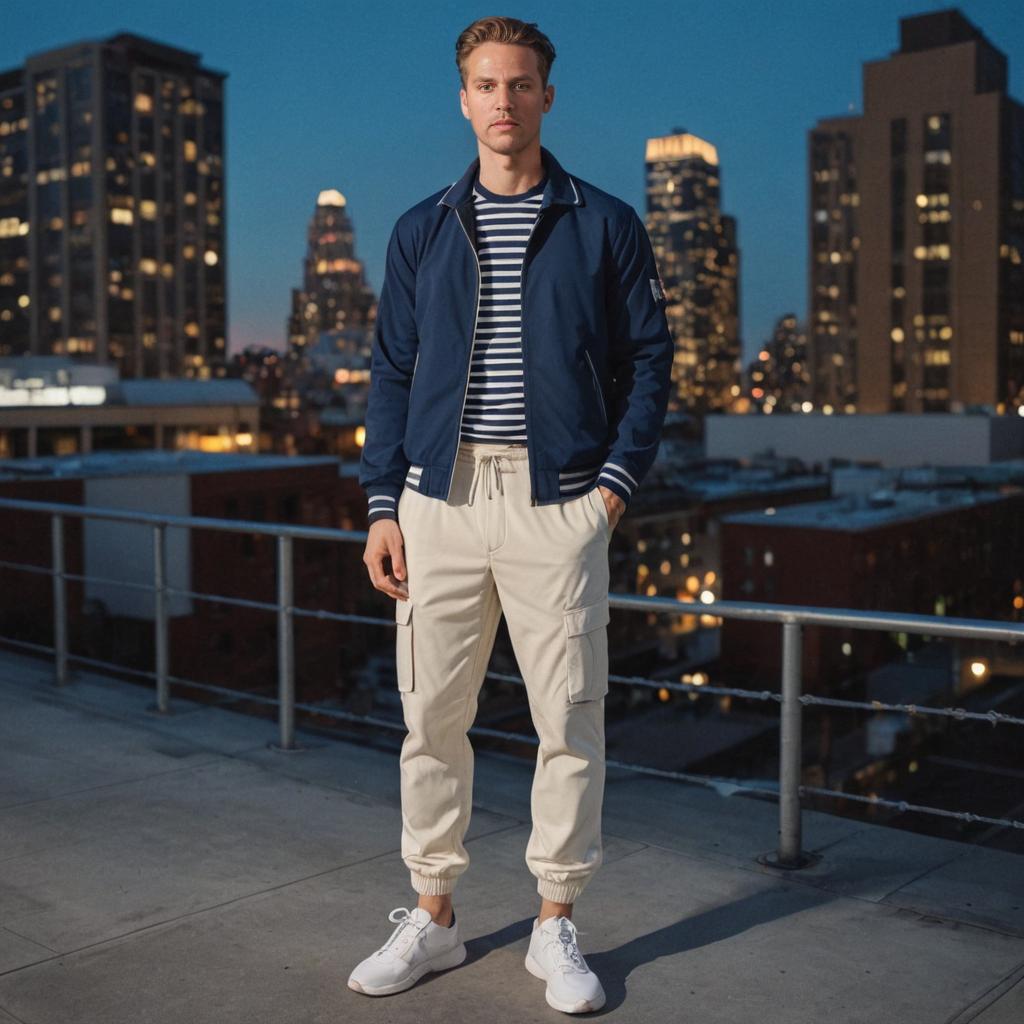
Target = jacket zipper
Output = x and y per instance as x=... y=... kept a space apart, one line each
x=469 y=365
x=597 y=384
x=522 y=344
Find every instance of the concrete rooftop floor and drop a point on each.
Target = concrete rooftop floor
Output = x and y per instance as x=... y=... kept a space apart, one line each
x=176 y=869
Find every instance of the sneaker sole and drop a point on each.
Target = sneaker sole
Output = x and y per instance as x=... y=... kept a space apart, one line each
x=440 y=963
x=580 y=1006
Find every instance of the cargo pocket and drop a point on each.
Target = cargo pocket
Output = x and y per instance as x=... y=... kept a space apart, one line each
x=586 y=651
x=403 y=644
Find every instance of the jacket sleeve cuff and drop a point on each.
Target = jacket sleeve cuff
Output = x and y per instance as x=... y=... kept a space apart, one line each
x=382 y=503
x=617 y=478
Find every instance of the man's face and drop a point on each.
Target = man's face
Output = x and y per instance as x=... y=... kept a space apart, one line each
x=503 y=98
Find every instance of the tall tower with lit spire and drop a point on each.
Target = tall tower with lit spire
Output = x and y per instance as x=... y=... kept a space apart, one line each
x=334 y=296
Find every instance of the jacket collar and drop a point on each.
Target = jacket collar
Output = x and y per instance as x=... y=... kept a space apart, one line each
x=560 y=187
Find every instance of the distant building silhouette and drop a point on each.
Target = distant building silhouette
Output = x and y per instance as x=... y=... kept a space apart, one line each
x=695 y=246
x=112 y=208
x=916 y=270
x=334 y=296
x=59 y=406
x=778 y=379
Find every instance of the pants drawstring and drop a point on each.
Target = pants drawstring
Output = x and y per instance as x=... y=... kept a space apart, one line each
x=483 y=466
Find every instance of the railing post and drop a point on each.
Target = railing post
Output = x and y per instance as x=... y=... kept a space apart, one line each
x=285 y=642
x=790 y=755
x=60 y=604
x=160 y=616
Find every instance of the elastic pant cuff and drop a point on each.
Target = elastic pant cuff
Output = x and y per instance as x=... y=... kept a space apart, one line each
x=428 y=886
x=560 y=892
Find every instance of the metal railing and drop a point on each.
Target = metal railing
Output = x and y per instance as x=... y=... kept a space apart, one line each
x=791 y=618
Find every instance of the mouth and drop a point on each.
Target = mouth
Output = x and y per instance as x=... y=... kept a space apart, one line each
x=505 y=124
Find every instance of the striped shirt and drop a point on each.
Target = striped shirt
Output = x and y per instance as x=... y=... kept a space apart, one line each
x=495 y=410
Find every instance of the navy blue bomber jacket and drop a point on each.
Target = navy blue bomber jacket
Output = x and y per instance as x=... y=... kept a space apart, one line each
x=597 y=352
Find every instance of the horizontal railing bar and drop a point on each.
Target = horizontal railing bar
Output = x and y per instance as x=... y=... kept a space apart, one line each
x=961 y=714
x=922 y=625
x=185 y=522
x=992 y=717
x=926 y=625
x=755 y=611
x=44 y=570
x=904 y=806
x=724 y=786
x=28 y=645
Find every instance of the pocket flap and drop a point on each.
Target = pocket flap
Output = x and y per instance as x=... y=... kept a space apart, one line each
x=403 y=610
x=583 y=620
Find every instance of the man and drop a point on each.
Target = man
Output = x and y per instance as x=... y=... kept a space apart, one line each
x=519 y=382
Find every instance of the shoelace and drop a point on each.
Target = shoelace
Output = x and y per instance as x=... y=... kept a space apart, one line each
x=568 y=955
x=404 y=935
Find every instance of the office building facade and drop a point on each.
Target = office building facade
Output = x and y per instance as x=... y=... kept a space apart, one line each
x=698 y=259
x=916 y=232
x=112 y=208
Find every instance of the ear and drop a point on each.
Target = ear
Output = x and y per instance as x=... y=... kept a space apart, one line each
x=462 y=103
x=549 y=97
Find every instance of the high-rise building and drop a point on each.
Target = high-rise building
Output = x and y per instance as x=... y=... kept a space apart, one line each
x=916 y=276
x=778 y=379
x=695 y=246
x=112 y=209
x=334 y=296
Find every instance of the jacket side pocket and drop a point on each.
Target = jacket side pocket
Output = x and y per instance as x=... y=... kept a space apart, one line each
x=586 y=651
x=403 y=645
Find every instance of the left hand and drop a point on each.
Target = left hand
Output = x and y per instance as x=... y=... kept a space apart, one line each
x=613 y=503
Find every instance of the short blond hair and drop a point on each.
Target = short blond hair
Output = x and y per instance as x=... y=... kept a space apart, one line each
x=505 y=30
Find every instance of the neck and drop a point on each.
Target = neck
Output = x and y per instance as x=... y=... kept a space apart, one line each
x=512 y=173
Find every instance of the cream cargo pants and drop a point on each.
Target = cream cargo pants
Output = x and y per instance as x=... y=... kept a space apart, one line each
x=482 y=552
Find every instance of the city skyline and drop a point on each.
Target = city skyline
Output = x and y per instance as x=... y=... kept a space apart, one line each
x=352 y=130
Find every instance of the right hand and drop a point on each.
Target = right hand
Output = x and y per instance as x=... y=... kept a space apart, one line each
x=384 y=559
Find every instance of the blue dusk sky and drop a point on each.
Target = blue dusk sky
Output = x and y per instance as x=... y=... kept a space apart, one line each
x=363 y=97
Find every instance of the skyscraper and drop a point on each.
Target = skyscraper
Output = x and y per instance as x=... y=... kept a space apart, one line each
x=778 y=378
x=916 y=277
x=334 y=295
x=695 y=246
x=112 y=212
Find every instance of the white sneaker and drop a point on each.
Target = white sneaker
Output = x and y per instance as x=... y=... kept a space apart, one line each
x=555 y=957
x=417 y=946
